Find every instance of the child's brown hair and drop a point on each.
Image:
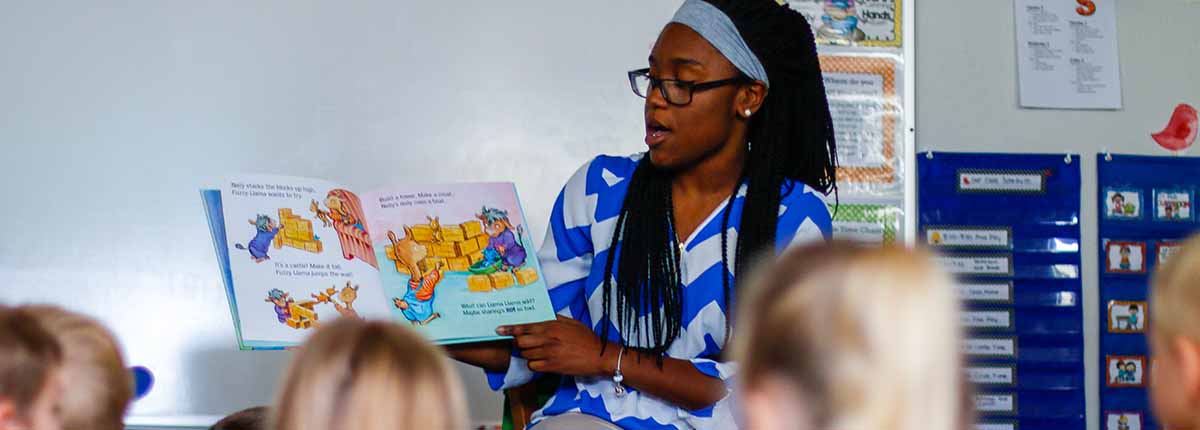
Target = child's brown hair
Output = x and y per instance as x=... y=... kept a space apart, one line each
x=101 y=385
x=28 y=356
x=246 y=419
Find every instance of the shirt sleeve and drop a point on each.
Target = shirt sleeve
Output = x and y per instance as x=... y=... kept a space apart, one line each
x=566 y=259
x=804 y=220
x=719 y=415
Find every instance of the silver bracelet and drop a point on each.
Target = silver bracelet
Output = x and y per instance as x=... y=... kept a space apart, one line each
x=617 y=376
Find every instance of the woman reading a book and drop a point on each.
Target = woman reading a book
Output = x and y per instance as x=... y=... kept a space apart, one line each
x=643 y=252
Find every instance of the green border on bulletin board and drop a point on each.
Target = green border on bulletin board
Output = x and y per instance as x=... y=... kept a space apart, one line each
x=886 y=216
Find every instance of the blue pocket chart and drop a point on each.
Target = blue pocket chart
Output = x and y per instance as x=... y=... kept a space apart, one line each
x=1145 y=210
x=1007 y=225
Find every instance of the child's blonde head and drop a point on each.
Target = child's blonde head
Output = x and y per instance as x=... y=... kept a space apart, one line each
x=1175 y=293
x=862 y=339
x=355 y=374
x=1174 y=325
x=101 y=385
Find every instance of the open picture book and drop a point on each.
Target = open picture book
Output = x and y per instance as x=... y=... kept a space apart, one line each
x=454 y=261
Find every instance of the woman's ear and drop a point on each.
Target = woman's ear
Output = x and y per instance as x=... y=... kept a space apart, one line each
x=749 y=99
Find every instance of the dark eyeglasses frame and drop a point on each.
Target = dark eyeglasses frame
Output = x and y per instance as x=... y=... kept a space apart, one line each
x=691 y=86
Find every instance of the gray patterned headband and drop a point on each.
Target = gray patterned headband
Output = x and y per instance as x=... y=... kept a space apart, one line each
x=716 y=27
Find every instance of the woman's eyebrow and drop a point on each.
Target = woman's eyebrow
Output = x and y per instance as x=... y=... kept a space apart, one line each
x=679 y=62
x=686 y=62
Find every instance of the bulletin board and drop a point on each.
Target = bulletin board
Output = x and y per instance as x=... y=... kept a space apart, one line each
x=1145 y=210
x=866 y=56
x=1007 y=226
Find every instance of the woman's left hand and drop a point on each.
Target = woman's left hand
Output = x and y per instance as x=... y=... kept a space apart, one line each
x=564 y=346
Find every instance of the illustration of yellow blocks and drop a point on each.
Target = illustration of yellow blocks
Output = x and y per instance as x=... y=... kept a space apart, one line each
x=453 y=233
x=526 y=276
x=502 y=280
x=458 y=264
x=479 y=283
x=297 y=232
x=422 y=233
x=483 y=241
x=471 y=228
x=467 y=247
x=300 y=311
x=475 y=257
x=445 y=250
x=292 y=234
x=429 y=263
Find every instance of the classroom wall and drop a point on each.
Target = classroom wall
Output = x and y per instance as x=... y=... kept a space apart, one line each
x=115 y=114
x=967 y=101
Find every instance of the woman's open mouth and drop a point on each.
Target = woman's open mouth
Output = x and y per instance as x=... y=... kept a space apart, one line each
x=656 y=133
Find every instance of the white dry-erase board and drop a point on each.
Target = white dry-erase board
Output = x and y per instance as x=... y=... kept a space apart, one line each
x=115 y=114
x=967 y=101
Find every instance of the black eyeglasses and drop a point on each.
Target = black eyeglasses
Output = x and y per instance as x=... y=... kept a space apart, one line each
x=674 y=91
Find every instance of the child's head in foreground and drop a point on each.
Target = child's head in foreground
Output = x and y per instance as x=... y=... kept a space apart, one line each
x=369 y=375
x=101 y=386
x=1175 y=338
x=30 y=380
x=246 y=419
x=851 y=338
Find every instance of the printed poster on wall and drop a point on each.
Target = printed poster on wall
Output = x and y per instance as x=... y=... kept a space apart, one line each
x=863 y=100
x=852 y=22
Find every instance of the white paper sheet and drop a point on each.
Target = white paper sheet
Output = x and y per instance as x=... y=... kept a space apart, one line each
x=1067 y=54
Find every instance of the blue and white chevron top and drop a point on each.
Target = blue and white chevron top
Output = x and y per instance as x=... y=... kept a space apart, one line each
x=573 y=257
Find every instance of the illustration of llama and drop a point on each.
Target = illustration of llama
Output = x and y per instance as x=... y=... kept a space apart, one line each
x=345 y=214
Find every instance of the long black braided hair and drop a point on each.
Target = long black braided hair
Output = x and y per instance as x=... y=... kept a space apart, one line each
x=792 y=137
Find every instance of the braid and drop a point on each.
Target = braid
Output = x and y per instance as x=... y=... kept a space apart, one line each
x=793 y=143
x=726 y=282
x=647 y=273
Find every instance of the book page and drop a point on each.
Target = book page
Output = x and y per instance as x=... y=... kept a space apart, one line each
x=457 y=260
x=299 y=255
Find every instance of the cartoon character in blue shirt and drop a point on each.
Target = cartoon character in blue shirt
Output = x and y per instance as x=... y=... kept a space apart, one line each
x=265 y=231
x=282 y=303
x=1127 y=372
x=1133 y=317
